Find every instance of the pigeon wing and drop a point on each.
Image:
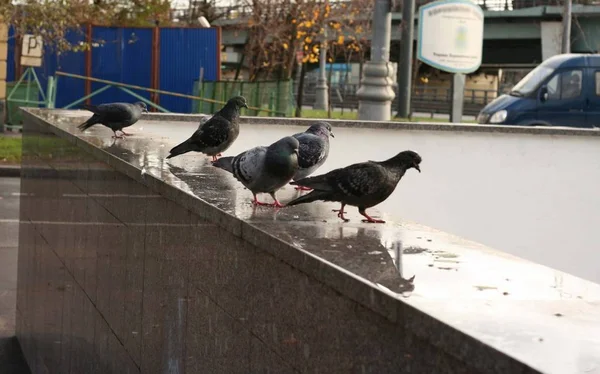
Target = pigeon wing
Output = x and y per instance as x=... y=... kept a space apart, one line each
x=115 y=112
x=358 y=180
x=248 y=166
x=312 y=150
x=212 y=133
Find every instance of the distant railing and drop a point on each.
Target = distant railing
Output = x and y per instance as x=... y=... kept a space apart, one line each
x=424 y=99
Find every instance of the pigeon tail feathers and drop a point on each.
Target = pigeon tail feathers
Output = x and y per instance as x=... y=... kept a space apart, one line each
x=318 y=182
x=89 y=123
x=225 y=163
x=310 y=197
x=180 y=149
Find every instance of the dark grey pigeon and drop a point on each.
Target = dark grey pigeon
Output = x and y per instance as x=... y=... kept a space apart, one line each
x=363 y=185
x=314 y=149
x=115 y=116
x=264 y=169
x=216 y=134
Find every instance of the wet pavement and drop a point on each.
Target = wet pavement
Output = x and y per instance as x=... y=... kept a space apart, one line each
x=526 y=310
x=533 y=196
x=11 y=357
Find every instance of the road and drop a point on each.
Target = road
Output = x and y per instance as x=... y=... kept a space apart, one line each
x=11 y=359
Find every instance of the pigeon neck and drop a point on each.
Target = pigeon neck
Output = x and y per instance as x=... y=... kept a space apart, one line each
x=229 y=111
x=397 y=164
x=281 y=164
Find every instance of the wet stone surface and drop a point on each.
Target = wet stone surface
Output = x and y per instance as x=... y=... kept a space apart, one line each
x=506 y=302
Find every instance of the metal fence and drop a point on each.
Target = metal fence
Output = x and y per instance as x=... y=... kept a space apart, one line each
x=424 y=99
x=276 y=96
x=157 y=58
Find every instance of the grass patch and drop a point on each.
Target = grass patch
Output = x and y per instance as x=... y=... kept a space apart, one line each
x=10 y=150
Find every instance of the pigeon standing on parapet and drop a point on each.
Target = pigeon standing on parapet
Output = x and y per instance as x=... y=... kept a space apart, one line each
x=115 y=116
x=216 y=134
x=314 y=149
x=264 y=169
x=363 y=185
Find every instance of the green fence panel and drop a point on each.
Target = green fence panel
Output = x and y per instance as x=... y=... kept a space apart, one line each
x=272 y=95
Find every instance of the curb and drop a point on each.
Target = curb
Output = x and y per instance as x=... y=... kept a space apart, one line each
x=13 y=171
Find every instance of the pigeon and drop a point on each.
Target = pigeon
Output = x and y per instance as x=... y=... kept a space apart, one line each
x=314 y=149
x=363 y=185
x=216 y=134
x=115 y=116
x=264 y=169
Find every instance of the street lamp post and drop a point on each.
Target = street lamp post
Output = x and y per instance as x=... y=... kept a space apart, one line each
x=322 y=91
x=375 y=95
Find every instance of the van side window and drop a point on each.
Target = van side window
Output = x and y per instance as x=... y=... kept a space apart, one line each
x=597 y=76
x=566 y=85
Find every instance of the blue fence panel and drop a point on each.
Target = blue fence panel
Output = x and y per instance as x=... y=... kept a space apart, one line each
x=10 y=58
x=69 y=89
x=183 y=51
x=121 y=55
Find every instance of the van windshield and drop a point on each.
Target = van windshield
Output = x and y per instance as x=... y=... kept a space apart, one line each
x=531 y=81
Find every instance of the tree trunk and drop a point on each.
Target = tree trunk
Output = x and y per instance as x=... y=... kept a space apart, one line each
x=300 y=91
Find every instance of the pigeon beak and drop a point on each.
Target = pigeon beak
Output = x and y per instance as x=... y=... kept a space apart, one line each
x=417 y=167
x=331 y=133
x=245 y=105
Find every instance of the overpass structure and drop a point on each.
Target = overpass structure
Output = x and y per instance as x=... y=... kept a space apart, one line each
x=518 y=33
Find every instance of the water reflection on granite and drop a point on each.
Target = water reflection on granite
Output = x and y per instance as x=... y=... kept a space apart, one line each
x=526 y=310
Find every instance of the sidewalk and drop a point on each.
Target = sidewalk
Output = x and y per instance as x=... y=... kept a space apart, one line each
x=11 y=357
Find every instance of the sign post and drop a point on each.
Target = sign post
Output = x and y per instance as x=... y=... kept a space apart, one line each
x=31 y=50
x=451 y=39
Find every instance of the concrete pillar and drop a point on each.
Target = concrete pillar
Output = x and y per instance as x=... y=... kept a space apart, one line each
x=322 y=91
x=376 y=93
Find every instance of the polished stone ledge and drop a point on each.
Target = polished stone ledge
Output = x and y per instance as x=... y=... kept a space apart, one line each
x=495 y=311
x=391 y=125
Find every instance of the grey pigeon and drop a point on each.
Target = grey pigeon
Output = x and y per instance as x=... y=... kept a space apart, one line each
x=363 y=185
x=314 y=149
x=216 y=134
x=115 y=116
x=264 y=169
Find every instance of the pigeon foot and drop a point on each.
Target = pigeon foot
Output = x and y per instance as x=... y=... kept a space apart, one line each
x=276 y=204
x=302 y=188
x=341 y=213
x=214 y=158
x=125 y=133
x=117 y=137
x=369 y=218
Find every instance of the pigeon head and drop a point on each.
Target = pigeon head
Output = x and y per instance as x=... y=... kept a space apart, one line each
x=142 y=105
x=407 y=159
x=321 y=128
x=286 y=146
x=238 y=102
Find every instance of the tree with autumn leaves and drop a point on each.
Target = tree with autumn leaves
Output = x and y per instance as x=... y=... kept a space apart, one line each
x=53 y=20
x=280 y=31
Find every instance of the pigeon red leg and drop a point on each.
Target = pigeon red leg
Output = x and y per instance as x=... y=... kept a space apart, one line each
x=276 y=204
x=214 y=158
x=125 y=133
x=256 y=202
x=369 y=218
x=302 y=188
x=116 y=136
x=341 y=213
